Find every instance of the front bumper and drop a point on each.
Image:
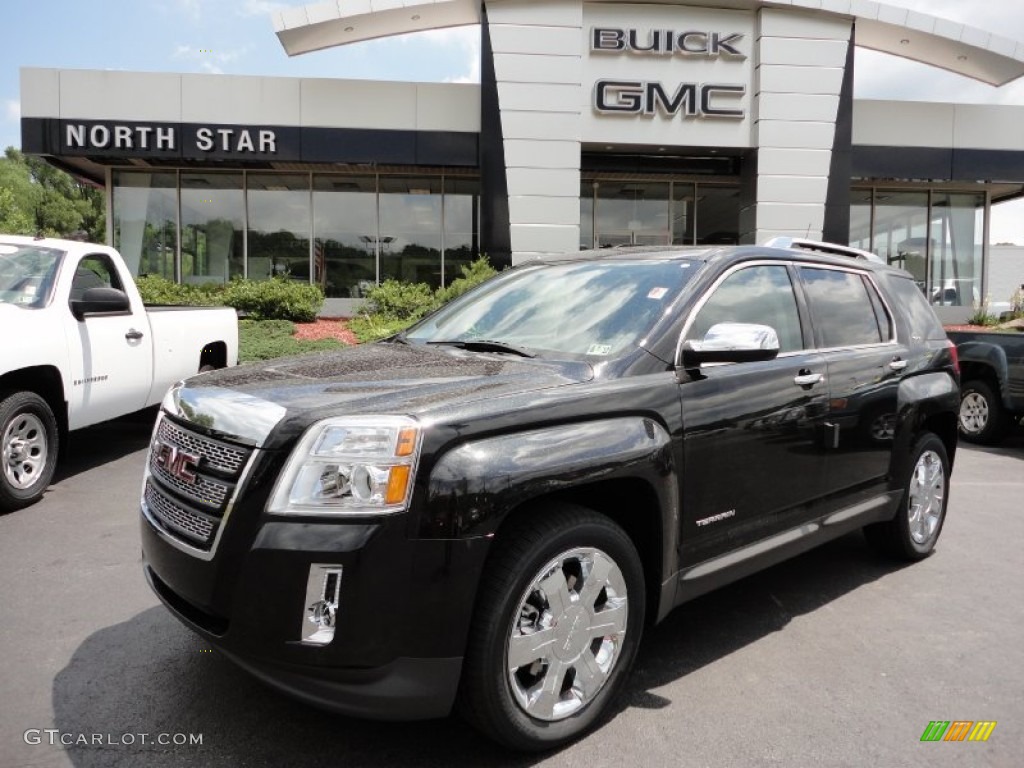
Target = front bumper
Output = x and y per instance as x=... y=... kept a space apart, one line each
x=403 y=614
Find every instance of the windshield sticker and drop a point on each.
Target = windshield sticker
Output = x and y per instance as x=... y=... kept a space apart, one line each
x=599 y=349
x=657 y=293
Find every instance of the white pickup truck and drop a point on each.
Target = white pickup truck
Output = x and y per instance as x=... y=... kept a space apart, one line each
x=78 y=347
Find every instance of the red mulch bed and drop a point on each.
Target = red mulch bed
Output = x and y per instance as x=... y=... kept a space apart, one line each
x=965 y=327
x=325 y=328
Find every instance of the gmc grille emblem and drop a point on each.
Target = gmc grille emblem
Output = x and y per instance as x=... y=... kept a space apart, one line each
x=177 y=462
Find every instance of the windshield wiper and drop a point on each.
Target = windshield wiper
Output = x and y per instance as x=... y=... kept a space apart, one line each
x=487 y=345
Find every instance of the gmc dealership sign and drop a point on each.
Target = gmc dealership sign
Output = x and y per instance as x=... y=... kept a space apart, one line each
x=615 y=96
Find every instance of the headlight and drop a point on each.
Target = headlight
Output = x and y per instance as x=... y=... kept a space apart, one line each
x=353 y=465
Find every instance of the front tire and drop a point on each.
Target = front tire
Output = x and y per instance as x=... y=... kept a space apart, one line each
x=913 y=532
x=558 y=621
x=28 y=449
x=982 y=419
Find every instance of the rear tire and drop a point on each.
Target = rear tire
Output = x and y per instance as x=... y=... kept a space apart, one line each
x=982 y=419
x=28 y=449
x=913 y=532
x=558 y=620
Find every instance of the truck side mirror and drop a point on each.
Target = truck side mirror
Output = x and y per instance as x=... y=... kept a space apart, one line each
x=732 y=343
x=100 y=301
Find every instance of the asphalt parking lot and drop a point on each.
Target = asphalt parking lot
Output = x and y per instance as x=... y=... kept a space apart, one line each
x=836 y=658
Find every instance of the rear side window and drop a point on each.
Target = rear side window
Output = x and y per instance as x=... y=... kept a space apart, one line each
x=844 y=311
x=920 y=315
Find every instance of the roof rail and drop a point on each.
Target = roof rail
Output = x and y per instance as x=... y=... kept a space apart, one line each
x=834 y=249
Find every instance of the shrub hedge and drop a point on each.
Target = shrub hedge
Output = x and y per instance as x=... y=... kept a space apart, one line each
x=275 y=299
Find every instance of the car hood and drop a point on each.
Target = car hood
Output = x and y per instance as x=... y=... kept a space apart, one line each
x=249 y=401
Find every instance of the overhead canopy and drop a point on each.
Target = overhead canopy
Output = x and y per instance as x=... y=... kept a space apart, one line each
x=912 y=35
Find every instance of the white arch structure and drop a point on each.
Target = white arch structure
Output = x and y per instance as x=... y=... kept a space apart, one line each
x=920 y=37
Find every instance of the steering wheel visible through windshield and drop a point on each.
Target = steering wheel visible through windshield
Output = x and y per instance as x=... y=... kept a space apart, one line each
x=596 y=309
x=27 y=273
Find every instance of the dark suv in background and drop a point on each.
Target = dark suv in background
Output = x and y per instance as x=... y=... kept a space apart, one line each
x=486 y=510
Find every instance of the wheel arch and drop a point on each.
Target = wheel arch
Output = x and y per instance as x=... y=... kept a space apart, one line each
x=214 y=353
x=629 y=502
x=45 y=381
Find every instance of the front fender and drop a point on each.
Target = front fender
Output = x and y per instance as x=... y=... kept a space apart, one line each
x=475 y=485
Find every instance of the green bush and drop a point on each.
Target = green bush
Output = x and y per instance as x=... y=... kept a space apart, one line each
x=159 y=290
x=393 y=305
x=267 y=339
x=274 y=299
x=400 y=301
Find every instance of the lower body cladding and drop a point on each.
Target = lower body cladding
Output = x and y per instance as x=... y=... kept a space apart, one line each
x=350 y=617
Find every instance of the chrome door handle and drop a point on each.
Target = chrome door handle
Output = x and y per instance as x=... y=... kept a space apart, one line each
x=133 y=335
x=808 y=379
x=897 y=364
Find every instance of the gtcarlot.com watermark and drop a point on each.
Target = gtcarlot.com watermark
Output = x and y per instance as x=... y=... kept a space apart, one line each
x=58 y=738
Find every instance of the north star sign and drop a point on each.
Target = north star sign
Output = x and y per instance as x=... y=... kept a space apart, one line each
x=100 y=136
x=688 y=99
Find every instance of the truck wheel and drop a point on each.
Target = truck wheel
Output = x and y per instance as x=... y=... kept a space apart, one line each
x=558 y=620
x=982 y=419
x=912 y=533
x=28 y=449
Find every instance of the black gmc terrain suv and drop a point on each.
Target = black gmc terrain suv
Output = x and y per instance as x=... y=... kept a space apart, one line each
x=486 y=510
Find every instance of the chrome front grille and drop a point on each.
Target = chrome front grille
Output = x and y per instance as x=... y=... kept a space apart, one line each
x=204 y=490
x=218 y=456
x=191 y=484
x=196 y=528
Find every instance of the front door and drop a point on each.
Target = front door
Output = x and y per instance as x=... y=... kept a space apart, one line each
x=753 y=432
x=111 y=355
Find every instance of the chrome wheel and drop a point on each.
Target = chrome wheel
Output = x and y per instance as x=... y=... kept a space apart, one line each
x=24 y=450
x=883 y=428
x=567 y=634
x=925 y=497
x=974 y=413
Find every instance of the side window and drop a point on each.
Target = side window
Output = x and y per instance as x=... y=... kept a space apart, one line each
x=844 y=311
x=760 y=294
x=94 y=271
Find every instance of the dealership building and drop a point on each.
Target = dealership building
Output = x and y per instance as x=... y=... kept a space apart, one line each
x=595 y=124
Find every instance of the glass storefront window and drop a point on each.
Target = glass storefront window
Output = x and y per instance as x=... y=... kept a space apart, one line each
x=212 y=223
x=586 y=215
x=632 y=213
x=410 y=229
x=957 y=236
x=279 y=218
x=684 y=207
x=461 y=217
x=718 y=215
x=145 y=221
x=345 y=234
x=901 y=231
x=860 y=219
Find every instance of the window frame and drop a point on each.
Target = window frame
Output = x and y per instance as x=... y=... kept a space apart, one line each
x=803 y=310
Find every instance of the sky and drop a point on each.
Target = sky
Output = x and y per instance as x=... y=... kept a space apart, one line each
x=237 y=37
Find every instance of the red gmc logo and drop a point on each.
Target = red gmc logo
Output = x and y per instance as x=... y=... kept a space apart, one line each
x=177 y=462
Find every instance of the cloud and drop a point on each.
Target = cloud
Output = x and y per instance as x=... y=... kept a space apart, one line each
x=12 y=110
x=466 y=39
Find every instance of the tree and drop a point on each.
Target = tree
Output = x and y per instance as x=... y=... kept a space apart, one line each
x=46 y=200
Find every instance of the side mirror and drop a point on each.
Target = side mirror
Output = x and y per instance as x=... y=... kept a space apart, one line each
x=732 y=343
x=100 y=301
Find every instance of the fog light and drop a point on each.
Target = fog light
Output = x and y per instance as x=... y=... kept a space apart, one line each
x=320 y=608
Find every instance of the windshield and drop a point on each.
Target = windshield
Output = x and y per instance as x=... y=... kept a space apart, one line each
x=27 y=274
x=595 y=309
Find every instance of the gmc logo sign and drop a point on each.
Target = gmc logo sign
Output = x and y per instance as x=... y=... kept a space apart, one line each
x=177 y=462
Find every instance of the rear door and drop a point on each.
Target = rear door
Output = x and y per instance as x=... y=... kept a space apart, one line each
x=110 y=354
x=865 y=359
x=752 y=431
